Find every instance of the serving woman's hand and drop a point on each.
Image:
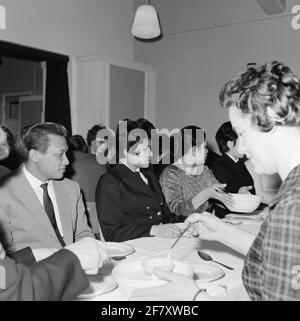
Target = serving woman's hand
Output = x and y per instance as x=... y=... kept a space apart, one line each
x=165 y=230
x=209 y=226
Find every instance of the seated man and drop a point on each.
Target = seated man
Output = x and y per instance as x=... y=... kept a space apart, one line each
x=40 y=209
x=230 y=168
x=59 y=277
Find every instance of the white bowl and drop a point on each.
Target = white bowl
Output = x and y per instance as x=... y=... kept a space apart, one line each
x=245 y=203
x=131 y=275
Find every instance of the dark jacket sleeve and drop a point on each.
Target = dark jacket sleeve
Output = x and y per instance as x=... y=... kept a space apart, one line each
x=58 y=277
x=114 y=225
x=24 y=256
x=223 y=176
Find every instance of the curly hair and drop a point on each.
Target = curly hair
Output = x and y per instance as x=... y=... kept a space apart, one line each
x=269 y=93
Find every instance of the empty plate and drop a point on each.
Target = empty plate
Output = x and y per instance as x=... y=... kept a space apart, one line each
x=243 y=218
x=99 y=284
x=115 y=249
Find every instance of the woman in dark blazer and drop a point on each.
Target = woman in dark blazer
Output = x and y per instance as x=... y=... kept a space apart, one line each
x=129 y=201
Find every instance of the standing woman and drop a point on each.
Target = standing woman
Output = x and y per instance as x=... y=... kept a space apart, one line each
x=129 y=201
x=264 y=109
x=188 y=184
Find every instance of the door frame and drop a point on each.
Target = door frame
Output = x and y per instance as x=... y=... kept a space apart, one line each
x=103 y=95
x=33 y=98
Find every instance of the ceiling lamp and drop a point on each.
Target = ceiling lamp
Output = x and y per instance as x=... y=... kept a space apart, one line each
x=145 y=24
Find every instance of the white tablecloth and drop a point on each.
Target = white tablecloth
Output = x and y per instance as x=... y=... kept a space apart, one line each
x=185 y=250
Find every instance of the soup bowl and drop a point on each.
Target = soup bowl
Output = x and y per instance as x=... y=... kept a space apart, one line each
x=132 y=275
x=244 y=203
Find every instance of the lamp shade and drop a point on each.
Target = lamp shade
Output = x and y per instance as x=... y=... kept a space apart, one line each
x=145 y=24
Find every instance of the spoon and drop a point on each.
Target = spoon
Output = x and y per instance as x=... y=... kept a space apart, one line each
x=179 y=237
x=207 y=257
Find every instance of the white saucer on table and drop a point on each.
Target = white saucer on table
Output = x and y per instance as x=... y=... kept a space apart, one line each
x=115 y=249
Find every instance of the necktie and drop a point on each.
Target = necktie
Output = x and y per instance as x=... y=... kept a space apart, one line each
x=48 y=206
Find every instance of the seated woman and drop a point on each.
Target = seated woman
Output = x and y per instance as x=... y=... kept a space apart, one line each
x=129 y=201
x=187 y=183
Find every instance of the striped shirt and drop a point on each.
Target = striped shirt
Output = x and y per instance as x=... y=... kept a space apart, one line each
x=272 y=265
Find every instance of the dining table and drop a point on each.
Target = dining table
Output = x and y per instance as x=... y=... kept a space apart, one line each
x=227 y=288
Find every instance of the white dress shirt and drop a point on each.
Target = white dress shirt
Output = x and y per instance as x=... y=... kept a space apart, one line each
x=233 y=158
x=36 y=186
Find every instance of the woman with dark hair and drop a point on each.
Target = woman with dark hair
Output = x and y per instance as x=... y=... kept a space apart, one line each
x=128 y=199
x=188 y=184
x=264 y=109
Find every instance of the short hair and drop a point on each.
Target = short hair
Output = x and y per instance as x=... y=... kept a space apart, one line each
x=37 y=137
x=188 y=137
x=269 y=93
x=129 y=133
x=225 y=134
x=77 y=143
x=92 y=133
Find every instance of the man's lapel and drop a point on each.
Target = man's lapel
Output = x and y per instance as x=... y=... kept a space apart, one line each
x=27 y=196
x=64 y=208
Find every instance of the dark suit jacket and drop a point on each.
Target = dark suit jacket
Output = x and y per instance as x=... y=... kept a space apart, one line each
x=235 y=175
x=58 y=277
x=127 y=207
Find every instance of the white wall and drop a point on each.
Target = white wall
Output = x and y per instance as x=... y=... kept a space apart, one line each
x=193 y=65
x=71 y=27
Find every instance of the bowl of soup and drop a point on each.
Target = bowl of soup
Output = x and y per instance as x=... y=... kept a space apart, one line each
x=132 y=275
x=245 y=203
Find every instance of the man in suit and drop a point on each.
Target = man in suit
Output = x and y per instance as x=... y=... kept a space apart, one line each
x=40 y=209
x=62 y=276
x=230 y=168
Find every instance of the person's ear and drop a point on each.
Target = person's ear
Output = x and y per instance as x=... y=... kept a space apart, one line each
x=34 y=155
x=230 y=144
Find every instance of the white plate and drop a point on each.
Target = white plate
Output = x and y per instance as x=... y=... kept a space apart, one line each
x=99 y=284
x=115 y=249
x=236 y=217
x=204 y=273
